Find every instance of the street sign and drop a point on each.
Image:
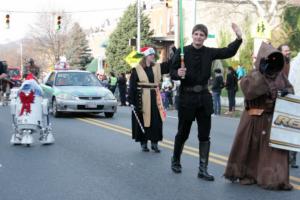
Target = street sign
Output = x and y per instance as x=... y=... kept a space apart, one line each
x=211 y=36
x=131 y=58
x=261 y=30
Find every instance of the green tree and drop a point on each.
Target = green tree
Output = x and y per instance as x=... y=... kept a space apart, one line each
x=245 y=53
x=291 y=25
x=78 y=52
x=118 y=47
x=223 y=41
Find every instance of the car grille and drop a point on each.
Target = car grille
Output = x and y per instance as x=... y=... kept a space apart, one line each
x=89 y=98
x=83 y=107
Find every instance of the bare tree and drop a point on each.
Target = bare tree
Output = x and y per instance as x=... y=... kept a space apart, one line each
x=48 y=42
x=269 y=9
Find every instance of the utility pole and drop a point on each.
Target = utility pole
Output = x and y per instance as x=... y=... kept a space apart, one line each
x=194 y=12
x=21 y=55
x=176 y=23
x=138 y=42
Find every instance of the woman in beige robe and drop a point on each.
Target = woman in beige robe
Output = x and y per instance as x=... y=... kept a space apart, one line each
x=144 y=95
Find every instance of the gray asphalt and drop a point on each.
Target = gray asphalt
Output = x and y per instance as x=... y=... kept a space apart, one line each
x=88 y=162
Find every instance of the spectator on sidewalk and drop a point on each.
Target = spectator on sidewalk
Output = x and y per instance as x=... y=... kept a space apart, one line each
x=217 y=86
x=232 y=88
x=31 y=67
x=167 y=92
x=285 y=50
x=122 y=88
x=112 y=82
x=241 y=71
x=176 y=92
x=3 y=74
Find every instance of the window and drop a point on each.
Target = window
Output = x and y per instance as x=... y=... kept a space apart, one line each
x=50 y=80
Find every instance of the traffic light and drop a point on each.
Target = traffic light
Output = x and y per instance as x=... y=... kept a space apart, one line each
x=7 y=20
x=169 y=3
x=58 y=23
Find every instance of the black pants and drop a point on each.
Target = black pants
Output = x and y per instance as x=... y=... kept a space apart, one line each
x=112 y=88
x=170 y=97
x=231 y=99
x=186 y=117
x=122 y=91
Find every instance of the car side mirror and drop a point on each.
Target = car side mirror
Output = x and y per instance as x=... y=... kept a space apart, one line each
x=49 y=84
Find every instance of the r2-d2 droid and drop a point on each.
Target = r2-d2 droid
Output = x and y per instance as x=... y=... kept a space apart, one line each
x=30 y=115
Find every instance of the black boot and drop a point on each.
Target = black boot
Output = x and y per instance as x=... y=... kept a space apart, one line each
x=144 y=147
x=175 y=165
x=175 y=161
x=293 y=159
x=154 y=147
x=203 y=161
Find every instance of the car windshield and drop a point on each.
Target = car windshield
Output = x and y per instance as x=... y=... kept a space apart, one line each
x=76 y=79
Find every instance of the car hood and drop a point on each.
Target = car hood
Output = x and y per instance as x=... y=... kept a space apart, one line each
x=83 y=91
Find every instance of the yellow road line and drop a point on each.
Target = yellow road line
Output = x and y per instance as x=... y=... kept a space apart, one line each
x=104 y=126
x=297 y=187
x=197 y=150
x=295 y=179
x=169 y=145
x=108 y=124
x=164 y=141
x=191 y=153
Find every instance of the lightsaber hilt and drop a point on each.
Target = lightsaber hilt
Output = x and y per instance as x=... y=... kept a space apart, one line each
x=182 y=63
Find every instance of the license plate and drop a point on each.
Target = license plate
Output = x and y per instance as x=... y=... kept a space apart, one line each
x=91 y=105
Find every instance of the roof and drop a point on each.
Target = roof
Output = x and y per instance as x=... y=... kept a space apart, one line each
x=72 y=70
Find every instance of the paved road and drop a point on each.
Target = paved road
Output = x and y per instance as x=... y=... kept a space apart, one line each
x=95 y=158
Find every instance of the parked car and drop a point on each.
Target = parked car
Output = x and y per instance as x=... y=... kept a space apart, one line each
x=78 y=91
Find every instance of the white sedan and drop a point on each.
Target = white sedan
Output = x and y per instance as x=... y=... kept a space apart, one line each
x=78 y=91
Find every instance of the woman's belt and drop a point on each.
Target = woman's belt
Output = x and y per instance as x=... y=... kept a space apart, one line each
x=147 y=85
x=196 y=88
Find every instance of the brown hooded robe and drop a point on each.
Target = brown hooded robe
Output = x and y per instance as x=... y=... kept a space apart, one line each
x=252 y=160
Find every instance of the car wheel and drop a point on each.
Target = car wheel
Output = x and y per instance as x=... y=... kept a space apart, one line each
x=55 y=113
x=109 y=114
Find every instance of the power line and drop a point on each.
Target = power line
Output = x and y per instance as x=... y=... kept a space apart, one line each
x=51 y=12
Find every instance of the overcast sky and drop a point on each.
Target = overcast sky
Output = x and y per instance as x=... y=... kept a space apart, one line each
x=19 y=22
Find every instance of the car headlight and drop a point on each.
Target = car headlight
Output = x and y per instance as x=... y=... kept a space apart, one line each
x=66 y=96
x=109 y=96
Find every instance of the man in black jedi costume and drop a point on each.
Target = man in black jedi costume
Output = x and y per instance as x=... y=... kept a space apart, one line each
x=195 y=101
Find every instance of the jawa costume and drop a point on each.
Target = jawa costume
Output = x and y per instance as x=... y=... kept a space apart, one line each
x=252 y=160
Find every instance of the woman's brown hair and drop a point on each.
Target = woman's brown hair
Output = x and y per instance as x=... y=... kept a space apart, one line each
x=143 y=63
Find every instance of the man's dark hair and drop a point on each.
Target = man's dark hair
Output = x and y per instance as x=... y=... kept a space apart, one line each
x=282 y=45
x=200 y=27
x=287 y=59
